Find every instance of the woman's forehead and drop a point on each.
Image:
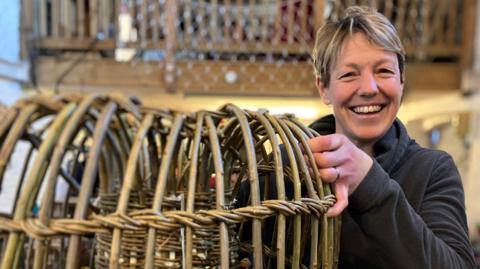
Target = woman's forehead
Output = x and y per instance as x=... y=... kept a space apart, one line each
x=359 y=47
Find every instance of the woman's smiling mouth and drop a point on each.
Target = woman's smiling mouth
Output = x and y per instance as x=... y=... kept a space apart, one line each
x=367 y=109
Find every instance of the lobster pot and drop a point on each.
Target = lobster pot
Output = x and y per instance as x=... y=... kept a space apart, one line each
x=105 y=182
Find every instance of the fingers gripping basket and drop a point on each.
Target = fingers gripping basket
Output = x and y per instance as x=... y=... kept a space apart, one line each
x=151 y=188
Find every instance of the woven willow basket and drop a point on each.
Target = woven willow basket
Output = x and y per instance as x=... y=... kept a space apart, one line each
x=152 y=188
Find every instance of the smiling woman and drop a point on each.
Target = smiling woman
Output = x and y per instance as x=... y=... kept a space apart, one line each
x=365 y=90
x=402 y=205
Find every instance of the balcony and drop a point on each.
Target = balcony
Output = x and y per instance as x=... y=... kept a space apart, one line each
x=223 y=47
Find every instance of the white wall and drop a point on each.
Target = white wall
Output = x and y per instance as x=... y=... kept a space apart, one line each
x=12 y=70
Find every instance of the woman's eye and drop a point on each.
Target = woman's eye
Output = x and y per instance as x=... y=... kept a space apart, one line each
x=386 y=71
x=347 y=75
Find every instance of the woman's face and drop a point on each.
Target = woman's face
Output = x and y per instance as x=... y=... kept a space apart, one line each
x=365 y=90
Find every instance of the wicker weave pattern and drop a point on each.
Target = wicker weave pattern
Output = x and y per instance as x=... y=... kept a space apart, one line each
x=154 y=188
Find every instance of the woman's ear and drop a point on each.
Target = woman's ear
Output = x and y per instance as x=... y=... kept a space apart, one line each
x=322 y=90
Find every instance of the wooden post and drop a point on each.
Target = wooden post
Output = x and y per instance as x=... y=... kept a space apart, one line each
x=170 y=42
x=278 y=23
x=388 y=10
x=228 y=21
x=318 y=10
x=411 y=22
x=452 y=22
x=187 y=20
x=43 y=17
x=213 y=25
x=201 y=13
x=264 y=23
x=26 y=27
x=156 y=23
x=252 y=21
x=106 y=20
x=240 y=22
x=66 y=19
x=468 y=27
x=144 y=23
x=291 y=21
x=80 y=19
x=116 y=25
x=304 y=36
x=426 y=29
x=399 y=21
x=55 y=16
x=133 y=10
x=93 y=18
x=439 y=23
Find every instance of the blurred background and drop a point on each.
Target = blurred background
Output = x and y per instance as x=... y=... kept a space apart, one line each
x=192 y=54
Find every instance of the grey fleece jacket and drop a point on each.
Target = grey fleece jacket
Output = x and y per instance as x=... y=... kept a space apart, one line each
x=408 y=212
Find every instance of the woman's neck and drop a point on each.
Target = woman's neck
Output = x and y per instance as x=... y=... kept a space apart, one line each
x=368 y=148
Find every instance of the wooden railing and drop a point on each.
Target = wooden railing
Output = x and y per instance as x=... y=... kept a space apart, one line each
x=267 y=39
x=428 y=28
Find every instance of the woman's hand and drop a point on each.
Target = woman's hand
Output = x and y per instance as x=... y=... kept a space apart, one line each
x=342 y=163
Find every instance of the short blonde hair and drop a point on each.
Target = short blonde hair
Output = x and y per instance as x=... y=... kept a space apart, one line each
x=333 y=34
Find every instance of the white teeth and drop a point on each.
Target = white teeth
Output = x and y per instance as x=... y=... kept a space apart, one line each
x=367 y=109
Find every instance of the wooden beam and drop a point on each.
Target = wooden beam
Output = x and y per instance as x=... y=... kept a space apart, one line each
x=438 y=50
x=209 y=77
x=100 y=73
x=73 y=43
x=431 y=76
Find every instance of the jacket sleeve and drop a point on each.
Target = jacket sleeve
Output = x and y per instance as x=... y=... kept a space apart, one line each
x=434 y=236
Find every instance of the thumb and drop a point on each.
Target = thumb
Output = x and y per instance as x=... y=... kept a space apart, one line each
x=341 y=193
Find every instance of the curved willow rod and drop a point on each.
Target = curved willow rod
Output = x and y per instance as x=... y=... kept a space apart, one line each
x=219 y=185
x=127 y=186
x=279 y=176
x=191 y=187
x=286 y=136
x=88 y=179
x=161 y=184
x=254 y=181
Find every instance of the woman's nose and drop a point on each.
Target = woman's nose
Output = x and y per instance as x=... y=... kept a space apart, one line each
x=368 y=85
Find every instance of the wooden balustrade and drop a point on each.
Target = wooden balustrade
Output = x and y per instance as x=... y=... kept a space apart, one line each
x=428 y=28
x=260 y=31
